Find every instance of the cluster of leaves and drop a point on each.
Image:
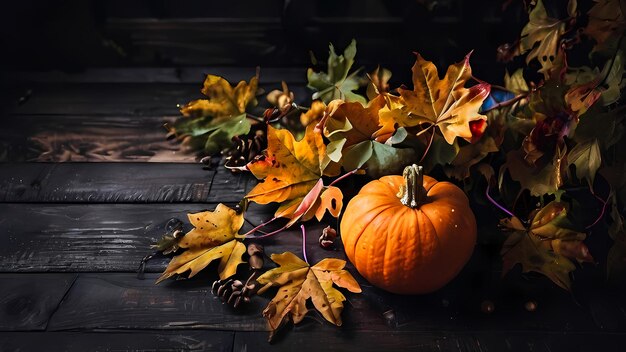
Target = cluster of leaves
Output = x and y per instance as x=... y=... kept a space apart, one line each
x=215 y=236
x=564 y=128
x=549 y=128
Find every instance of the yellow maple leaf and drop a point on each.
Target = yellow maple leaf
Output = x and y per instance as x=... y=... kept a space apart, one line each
x=224 y=100
x=290 y=168
x=213 y=237
x=444 y=103
x=297 y=282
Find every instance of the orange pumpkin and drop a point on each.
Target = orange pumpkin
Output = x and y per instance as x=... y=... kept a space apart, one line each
x=409 y=234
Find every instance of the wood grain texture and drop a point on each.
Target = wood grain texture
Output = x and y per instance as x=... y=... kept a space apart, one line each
x=120 y=183
x=114 y=237
x=193 y=75
x=98 y=237
x=217 y=341
x=122 y=99
x=62 y=138
x=28 y=300
x=121 y=301
x=339 y=340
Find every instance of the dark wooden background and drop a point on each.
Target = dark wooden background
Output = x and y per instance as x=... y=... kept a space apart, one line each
x=88 y=181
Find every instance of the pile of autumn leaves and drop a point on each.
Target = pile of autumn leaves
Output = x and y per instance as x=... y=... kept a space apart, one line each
x=340 y=137
x=550 y=127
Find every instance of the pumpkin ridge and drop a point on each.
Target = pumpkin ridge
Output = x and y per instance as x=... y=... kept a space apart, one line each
x=375 y=240
x=356 y=240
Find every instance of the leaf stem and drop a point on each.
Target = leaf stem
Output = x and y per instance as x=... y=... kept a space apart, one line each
x=344 y=176
x=245 y=235
x=255 y=118
x=430 y=142
x=304 y=243
x=506 y=103
x=602 y=211
x=496 y=203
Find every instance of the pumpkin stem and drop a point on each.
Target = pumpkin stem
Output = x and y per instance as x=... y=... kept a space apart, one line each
x=412 y=193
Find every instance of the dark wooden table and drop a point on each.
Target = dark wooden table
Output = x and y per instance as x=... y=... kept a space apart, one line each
x=88 y=182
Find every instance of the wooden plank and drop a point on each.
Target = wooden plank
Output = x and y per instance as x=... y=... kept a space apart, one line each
x=121 y=301
x=192 y=75
x=97 y=237
x=114 y=237
x=339 y=340
x=122 y=99
x=218 y=341
x=89 y=138
x=120 y=183
x=27 y=301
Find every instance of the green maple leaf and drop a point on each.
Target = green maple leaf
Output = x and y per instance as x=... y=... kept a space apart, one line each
x=547 y=245
x=586 y=157
x=338 y=82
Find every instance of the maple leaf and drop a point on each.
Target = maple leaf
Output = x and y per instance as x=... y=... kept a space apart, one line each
x=604 y=86
x=587 y=159
x=210 y=124
x=606 y=20
x=291 y=174
x=379 y=82
x=351 y=131
x=337 y=83
x=546 y=246
x=297 y=282
x=542 y=35
x=224 y=100
x=319 y=199
x=213 y=237
x=445 y=103
x=289 y=169
x=539 y=180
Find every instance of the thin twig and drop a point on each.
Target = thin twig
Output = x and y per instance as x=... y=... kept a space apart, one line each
x=304 y=243
x=496 y=203
x=430 y=142
x=604 y=204
x=344 y=176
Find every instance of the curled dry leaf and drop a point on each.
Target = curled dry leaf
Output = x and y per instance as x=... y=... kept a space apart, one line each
x=546 y=246
x=297 y=282
x=212 y=238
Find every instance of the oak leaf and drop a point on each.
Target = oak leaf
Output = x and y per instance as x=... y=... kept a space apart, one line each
x=338 y=82
x=444 y=103
x=297 y=282
x=547 y=246
x=213 y=237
